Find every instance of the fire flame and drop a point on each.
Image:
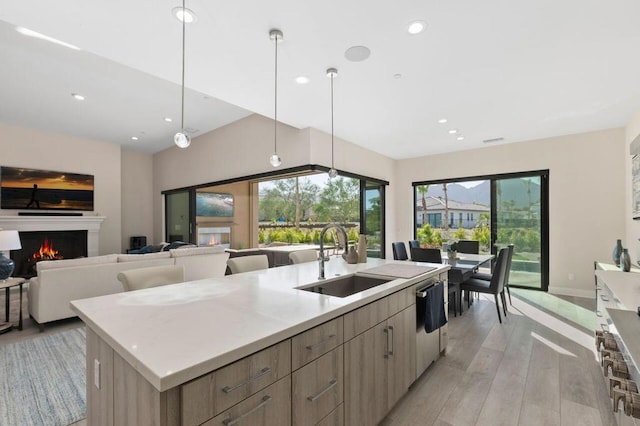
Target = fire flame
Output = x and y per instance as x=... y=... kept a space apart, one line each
x=213 y=241
x=46 y=252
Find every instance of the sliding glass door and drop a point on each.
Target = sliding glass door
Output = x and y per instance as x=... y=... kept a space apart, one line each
x=519 y=218
x=372 y=217
x=178 y=215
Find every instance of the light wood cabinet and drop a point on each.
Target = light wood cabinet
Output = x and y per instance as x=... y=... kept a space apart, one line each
x=401 y=368
x=380 y=365
x=307 y=346
x=270 y=406
x=335 y=418
x=211 y=394
x=317 y=388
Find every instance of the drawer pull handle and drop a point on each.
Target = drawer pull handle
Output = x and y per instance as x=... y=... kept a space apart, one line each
x=599 y=314
x=320 y=343
x=332 y=383
x=265 y=401
x=604 y=298
x=392 y=345
x=229 y=389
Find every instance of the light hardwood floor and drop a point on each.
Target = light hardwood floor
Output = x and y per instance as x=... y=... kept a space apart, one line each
x=536 y=368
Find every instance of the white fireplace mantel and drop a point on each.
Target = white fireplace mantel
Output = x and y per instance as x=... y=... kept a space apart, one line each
x=91 y=224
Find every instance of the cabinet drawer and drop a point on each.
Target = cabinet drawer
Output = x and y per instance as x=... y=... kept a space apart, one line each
x=362 y=319
x=270 y=406
x=401 y=300
x=335 y=418
x=211 y=394
x=317 y=388
x=311 y=344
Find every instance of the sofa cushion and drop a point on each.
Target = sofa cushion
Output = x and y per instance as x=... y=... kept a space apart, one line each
x=194 y=251
x=83 y=261
x=141 y=257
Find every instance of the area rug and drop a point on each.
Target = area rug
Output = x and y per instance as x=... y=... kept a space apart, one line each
x=42 y=380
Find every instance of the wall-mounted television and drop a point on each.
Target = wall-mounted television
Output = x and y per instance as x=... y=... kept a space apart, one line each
x=22 y=188
x=214 y=204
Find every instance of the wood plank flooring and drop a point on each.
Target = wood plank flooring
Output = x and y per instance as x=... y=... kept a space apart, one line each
x=536 y=368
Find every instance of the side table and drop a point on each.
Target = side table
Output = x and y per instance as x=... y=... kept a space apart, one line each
x=7 y=284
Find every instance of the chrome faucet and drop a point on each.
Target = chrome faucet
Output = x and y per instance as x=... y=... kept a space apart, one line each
x=321 y=257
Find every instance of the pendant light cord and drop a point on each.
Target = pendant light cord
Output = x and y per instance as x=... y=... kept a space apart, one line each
x=275 y=113
x=183 y=45
x=332 y=121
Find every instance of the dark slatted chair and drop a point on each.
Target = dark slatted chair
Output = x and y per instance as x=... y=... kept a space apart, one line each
x=426 y=255
x=399 y=251
x=495 y=286
x=487 y=277
x=469 y=246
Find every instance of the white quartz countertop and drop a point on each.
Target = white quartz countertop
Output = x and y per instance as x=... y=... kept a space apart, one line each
x=625 y=287
x=175 y=333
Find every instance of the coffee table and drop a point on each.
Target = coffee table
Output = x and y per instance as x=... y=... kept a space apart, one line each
x=7 y=284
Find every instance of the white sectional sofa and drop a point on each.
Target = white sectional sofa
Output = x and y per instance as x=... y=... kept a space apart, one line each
x=61 y=281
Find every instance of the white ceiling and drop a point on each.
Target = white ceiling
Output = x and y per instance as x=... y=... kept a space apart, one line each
x=498 y=68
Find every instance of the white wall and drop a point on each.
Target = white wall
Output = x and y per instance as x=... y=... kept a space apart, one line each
x=243 y=148
x=633 y=226
x=586 y=195
x=137 y=197
x=22 y=147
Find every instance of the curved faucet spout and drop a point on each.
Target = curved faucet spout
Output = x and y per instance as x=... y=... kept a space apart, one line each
x=322 y=258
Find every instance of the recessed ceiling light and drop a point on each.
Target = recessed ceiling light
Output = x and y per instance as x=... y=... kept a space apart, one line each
x=357 y=53
x=397 y=76
x=302 y=79
x=453 y=131
x=134 y=138
x=77 y=96
x=30 y=33
x=416 y=27
x=168 y=119
x=186 y=15
x=460 y=138
x=442 y=120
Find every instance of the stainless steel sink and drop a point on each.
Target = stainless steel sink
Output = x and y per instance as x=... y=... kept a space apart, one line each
x=346 y=286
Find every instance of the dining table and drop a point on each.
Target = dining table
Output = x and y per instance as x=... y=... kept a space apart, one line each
x=463 y=268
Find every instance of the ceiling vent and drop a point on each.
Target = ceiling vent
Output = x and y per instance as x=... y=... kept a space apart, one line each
x=493 y=140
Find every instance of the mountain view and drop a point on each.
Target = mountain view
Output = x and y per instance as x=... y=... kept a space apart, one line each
x=517 y=191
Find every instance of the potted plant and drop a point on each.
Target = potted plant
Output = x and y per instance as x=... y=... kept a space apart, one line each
x=452 y=250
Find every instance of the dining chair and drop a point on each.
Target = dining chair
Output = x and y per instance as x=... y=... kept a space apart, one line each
x=414 y=244
x=154 y=276
x=469 y=246
x=487 y=276
x=303 y=256
x=495 y=286
x=431 y=255
x=399 y=251
x=238 y=265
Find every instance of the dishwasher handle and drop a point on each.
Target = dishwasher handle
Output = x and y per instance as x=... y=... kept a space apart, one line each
x=422 y=292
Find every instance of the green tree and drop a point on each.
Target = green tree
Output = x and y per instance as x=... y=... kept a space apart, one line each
x=291 y=199
x=339 y=201
x=423 y=190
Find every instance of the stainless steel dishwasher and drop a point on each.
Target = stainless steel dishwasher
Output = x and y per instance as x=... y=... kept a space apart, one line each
x=427 y=344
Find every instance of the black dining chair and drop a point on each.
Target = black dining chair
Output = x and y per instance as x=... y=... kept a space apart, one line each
x=414 y=244
x=495 y=286
x=469 y=246
x=487 y=276
x=426 y=255
x=399 y=251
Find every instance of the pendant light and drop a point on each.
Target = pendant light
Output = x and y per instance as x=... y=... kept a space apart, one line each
x=332 y=73
x=275 y=160
x=182 y=138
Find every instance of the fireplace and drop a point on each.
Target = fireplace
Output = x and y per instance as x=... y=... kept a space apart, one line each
x=214 y=235
x=47 y=245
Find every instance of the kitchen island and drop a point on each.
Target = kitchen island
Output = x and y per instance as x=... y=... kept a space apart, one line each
x=158 y=356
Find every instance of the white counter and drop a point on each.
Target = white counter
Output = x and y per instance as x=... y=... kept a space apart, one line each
x=625 y=287
x=175 y=333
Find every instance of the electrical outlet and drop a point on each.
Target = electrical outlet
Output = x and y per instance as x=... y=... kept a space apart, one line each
x=572 y=277
x=96 y=373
